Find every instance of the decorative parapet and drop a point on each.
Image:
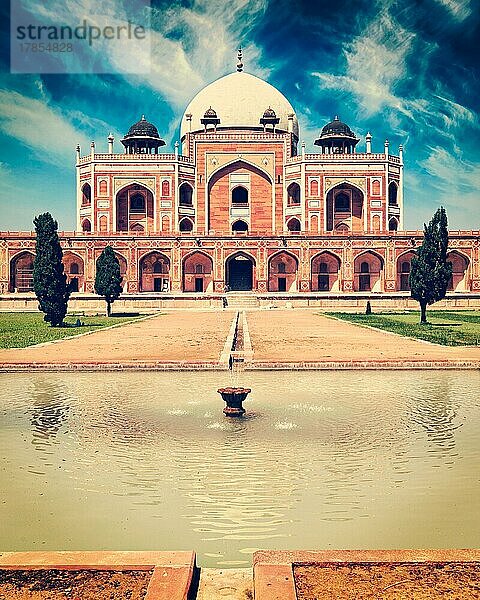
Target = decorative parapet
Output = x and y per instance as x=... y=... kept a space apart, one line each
x=135 y=158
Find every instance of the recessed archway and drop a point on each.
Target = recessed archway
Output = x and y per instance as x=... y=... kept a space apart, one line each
x=368 y=268
x=185 y=195
x=294 y=225
x=154 y=272
x=239 y=269
x=458 y=280
x=185 y=225
x=21 y=272
x=344 y=204
x=197 y=272
x=282 y=272
x=74 y=270
x=404 y=265
x=325 y=272
x=135 y=208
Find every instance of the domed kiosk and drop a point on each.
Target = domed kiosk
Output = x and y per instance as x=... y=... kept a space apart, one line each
x=240 y=101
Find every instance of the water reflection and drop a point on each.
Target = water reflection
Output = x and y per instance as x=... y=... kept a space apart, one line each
x=49 y=411
x=434 y=408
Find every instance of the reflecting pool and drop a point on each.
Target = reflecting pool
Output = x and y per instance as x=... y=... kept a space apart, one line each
x=139 y=461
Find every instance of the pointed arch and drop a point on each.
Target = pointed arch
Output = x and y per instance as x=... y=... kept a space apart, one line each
x=283 y=272
x=86 y=194
x=404 y=263
x=460 y=264
x=240 y=163
x=240 y=271
x=294 y=225
x=185 y=225
x=135 y=205
x=368 y=271
x=345 y=203
x=185 y=194
x=74 y=268
x=325 y=271
x=197 y=270
x=154 y=270
x=86 y=226
x=21 y=271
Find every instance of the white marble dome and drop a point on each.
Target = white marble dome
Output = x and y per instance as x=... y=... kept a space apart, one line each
x=239 y=99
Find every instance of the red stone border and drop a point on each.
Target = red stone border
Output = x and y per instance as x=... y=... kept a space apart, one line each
x=172 y=571
x=250 y=366
x=361 y=365
x=273 y=570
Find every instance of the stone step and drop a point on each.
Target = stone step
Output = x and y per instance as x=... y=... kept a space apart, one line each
x=225 y=584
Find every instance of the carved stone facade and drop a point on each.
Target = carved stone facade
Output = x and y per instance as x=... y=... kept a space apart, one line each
x=240 y=209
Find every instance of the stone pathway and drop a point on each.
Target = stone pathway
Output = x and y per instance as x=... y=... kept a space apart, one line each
x=304 y=335
x=170 y=336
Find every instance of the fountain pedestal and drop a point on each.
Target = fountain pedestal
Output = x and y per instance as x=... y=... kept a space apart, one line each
x=234 y=398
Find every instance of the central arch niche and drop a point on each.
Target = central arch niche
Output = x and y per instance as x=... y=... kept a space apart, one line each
x=325 y=272
x=240 y=272
x=239 y=191
x=345 y=206
x=198 y=273
x=135 y=209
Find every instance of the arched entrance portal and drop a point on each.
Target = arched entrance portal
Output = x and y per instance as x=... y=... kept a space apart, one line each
x=239 y=273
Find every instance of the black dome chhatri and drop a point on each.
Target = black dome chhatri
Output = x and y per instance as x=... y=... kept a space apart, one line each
x=142 y=138
x=210 y=113
x=269 y=113
x=337 y=138
x=337 y=127
x=269 y=118
x=143 y=129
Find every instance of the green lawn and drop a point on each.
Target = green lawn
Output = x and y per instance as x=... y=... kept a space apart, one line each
x=449 y=328
x=19 y=330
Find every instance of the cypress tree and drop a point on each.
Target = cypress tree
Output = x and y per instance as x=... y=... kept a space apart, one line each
x=49 y=280
x=430 y=271
x=108 y=279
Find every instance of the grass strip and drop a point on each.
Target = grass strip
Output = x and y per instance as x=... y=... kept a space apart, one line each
x=20 y=330
x=448 y=328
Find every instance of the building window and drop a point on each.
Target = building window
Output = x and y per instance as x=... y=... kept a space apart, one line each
x=165 y=188
x=186 y=193
x=239 y=227
x=199 y=270
x=392 y=225
x=186 y=225
x=137 y=203
x=293 y=191
x=239 y=196
x=281 y=267
x=342 y=203
x=74 y=268
x=102 y=187
x=86 y=226
x=294 y=225
x=392 y=194
x=86 y=194
x=405 y=277
x=364 y=277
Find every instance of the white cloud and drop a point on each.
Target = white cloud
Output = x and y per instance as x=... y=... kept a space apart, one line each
x=459 y=9
x=39 y=126
x=375 y=63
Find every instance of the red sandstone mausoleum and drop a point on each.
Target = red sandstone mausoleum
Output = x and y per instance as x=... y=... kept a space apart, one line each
x=240 y=206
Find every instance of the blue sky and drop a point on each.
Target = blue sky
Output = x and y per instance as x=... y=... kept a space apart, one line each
x=404 y=70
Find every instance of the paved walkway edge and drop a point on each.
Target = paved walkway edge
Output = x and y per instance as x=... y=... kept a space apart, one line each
x=273 y=577
x=172 y=576
x=253 y=366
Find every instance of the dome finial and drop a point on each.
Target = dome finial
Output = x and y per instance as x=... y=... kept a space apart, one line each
x=240 y=63
x=143 y=118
